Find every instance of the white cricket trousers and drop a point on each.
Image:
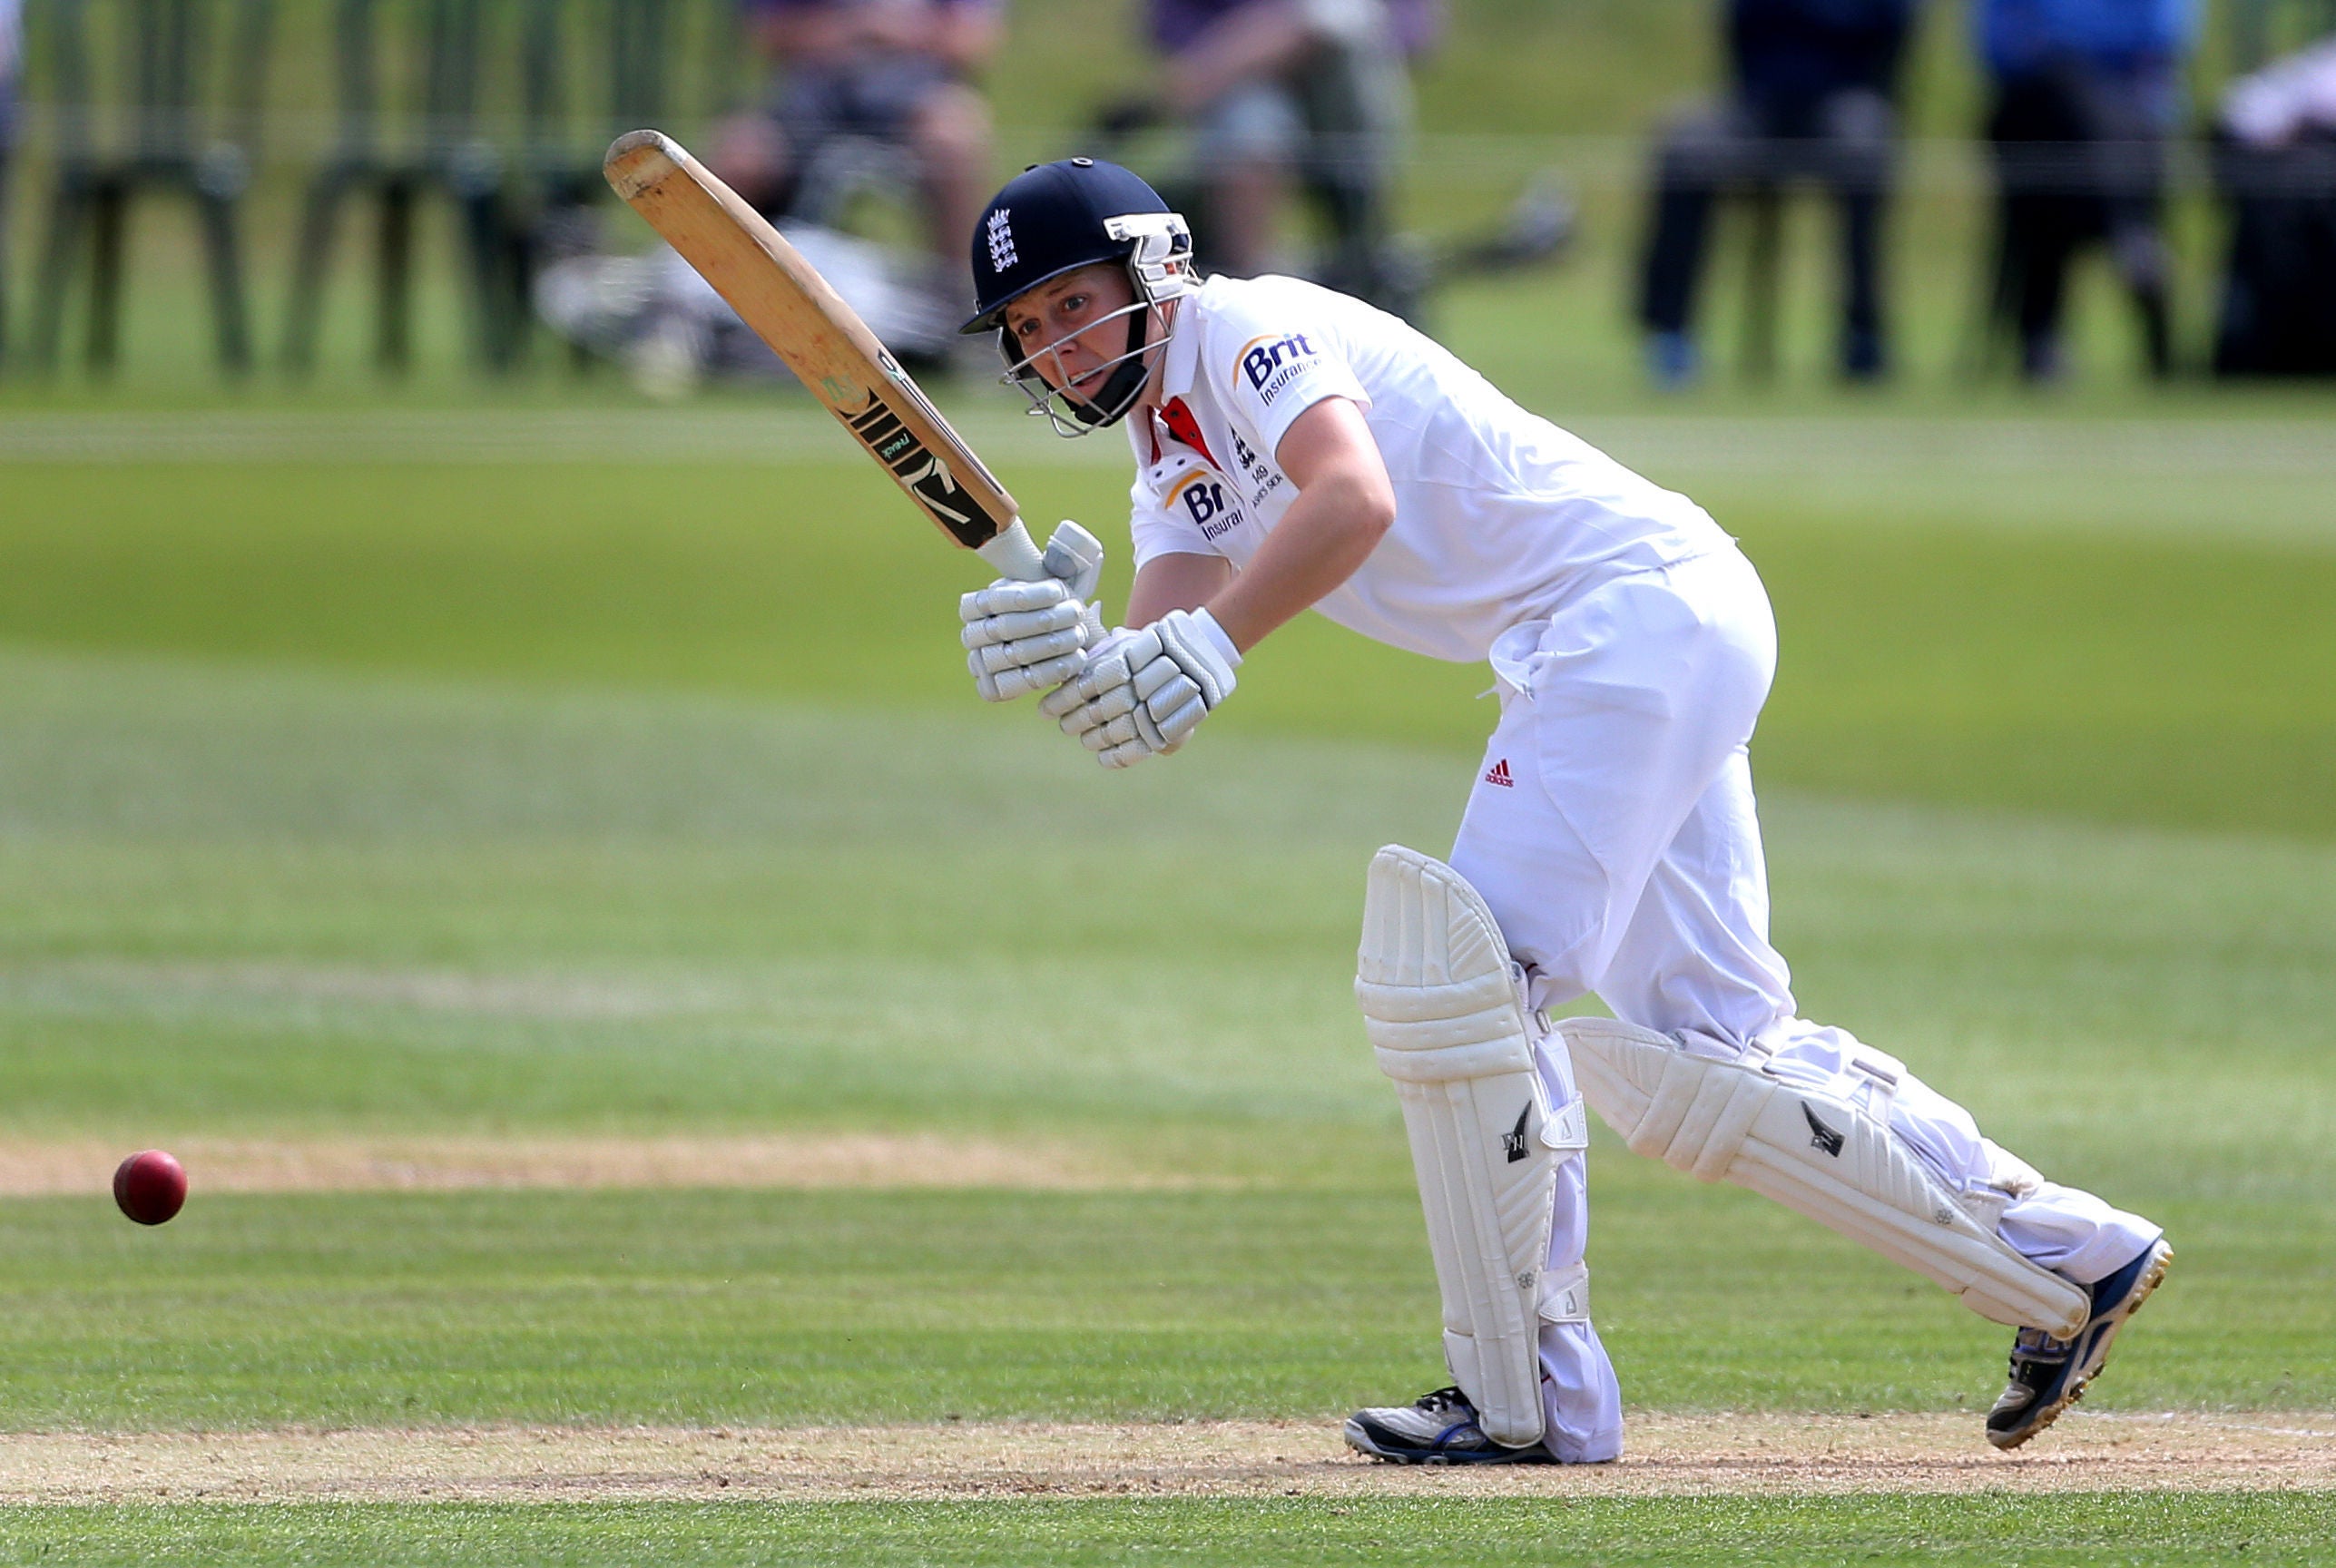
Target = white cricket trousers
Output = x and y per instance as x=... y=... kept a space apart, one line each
x=1612 y=833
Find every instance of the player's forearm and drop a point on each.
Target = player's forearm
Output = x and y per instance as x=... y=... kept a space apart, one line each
x=1174 y=582
x=797 y=37
x=1326 y=534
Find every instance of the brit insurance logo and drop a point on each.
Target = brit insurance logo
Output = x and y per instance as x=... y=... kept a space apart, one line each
x=1001 y=240
x=1204 y=501
x=1270 y=364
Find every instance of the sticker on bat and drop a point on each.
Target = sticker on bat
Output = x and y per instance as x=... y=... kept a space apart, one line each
x=908 y=388
x=923 y=475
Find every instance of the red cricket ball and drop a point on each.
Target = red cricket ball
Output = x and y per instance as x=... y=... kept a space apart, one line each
x=150 y=1187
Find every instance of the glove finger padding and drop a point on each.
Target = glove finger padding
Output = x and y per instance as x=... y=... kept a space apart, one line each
x=1132 y=738
x=1177 y=725
x=1004 y=685
x=1015 y=626
x=1115 y=727
x=1115 y=703
x=1104 y=719
x=1112 y=732
x=1064 y=700
x=1007 y=596
x=1143 y=693
x=1039 y=648
x=1116 y=662
x=1160 y=675
x=1106 y=678
x=1022 y=637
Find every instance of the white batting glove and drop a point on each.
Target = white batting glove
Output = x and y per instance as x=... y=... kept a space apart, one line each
x=1144 y=690
x=1028 y=636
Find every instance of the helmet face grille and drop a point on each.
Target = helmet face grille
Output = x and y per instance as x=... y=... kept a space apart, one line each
x=1108 y=400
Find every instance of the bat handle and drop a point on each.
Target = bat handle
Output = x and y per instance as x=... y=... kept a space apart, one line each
x=1013 y=554
x=1075 y=559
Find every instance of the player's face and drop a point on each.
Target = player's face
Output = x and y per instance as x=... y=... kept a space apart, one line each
x=1070 y=328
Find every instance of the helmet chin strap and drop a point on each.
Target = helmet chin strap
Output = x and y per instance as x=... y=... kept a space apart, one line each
x=1117 y=395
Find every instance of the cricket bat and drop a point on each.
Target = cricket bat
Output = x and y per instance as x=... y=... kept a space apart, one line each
x=829 y=347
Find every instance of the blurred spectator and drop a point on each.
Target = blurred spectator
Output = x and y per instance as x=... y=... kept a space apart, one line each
x=12 y=47
x=2276 y=163
x=2286 y=102
x=2087 y=92
x=1811 y=93
x=894 y=71
x=11 y=52
x=1284 y=92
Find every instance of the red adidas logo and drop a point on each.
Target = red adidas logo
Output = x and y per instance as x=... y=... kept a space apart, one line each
x=1498 y=774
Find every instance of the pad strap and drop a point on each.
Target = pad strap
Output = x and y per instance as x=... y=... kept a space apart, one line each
x=1829 y=1152
x=1566 y=1295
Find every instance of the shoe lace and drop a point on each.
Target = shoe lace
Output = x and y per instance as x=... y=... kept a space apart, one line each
x=1444 y=1401
x=2035 y=1351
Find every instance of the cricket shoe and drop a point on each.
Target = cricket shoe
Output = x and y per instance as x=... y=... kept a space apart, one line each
x=2048 y=1375
x=1439 y=1428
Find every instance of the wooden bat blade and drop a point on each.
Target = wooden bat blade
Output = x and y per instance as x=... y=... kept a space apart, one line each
x=821 y=339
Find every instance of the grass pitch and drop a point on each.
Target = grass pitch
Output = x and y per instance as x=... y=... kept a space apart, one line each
x=546 y=799
x=2075 y=1530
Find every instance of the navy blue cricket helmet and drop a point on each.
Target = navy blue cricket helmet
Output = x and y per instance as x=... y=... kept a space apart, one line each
x=1055 y=217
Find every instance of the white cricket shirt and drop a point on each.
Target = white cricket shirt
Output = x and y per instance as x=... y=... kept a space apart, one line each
x=1499 y=516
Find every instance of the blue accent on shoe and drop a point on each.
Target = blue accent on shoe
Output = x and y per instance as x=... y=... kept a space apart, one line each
x=1461 y=1442
x=2048 y=1375
x=2112 y=1291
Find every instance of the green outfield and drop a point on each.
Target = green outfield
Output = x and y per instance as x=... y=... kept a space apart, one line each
x=527 y=795
x=1921 y=1531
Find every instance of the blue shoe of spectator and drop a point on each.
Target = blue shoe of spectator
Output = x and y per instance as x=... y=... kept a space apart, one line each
x=1672 y=362
x=2043 y=362
x=2048 y=1375
x=1862 y=359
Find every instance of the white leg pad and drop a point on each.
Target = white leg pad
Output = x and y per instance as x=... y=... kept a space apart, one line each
x=1442 y=1003
x=1826 y=1152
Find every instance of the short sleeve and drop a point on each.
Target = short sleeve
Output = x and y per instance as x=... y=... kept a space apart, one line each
x=1272 y=360
x=1158 y=523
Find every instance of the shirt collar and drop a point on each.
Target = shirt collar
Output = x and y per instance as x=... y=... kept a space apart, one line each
x=1179 y=361
x=1182 y=360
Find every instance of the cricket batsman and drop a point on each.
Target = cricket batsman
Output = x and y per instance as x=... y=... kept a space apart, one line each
x=1298 y=449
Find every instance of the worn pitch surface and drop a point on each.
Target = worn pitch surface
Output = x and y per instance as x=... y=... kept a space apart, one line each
x=1670 y=1456
x=800 y=1162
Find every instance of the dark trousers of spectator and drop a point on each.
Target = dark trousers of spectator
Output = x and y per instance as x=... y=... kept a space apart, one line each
x=1335 y=123
x=1358 y=103
x=7 y=138
x=3 y=252
x=2080 y=159
x=1844 y=143
x=2279 y=291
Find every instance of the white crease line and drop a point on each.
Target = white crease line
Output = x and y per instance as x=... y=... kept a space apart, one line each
x=2105 y=1417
